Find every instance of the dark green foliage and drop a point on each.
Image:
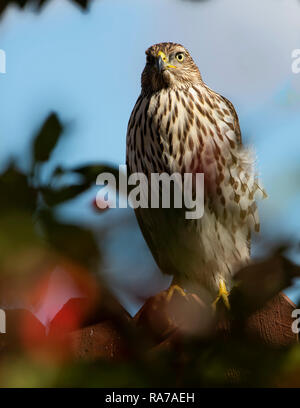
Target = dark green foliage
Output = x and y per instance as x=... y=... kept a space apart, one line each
x=54 y=197
x=37 y=3
x=28 y=206
x=91 y=172
x=16 y=191
x=73 y=241
x=260 y=282
x=46 y=139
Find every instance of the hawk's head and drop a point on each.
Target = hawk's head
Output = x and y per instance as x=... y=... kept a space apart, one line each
x=169 y=65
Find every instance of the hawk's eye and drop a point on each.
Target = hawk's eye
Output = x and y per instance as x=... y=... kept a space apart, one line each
x=180 y=56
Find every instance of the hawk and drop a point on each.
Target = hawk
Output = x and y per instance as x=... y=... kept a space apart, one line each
x=180 y=125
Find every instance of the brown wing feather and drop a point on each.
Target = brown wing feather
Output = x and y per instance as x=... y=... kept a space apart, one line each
x=237 y=128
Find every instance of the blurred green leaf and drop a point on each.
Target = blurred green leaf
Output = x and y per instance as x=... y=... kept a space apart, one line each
x=17 y=233
x=82 y=3
x=259 y=282
x=37 y=3
x=90 y=172
x=15 y=191
x=73 y=241
x=55 y=197
x=57 y=172
x=47 y=138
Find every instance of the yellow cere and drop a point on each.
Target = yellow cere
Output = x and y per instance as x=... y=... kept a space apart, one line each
x=162 y=55
x=164 y=58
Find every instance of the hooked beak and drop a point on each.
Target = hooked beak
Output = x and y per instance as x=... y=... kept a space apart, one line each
x=160 y=65
x=162 y=62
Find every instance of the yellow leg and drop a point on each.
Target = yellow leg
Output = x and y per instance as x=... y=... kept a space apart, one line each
x=171 y=291
x=223 y=294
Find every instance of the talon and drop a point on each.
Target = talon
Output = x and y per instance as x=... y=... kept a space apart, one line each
x=223 y=294
x=171 y=291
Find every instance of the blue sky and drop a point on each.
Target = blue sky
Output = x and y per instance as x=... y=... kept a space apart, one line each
x=87 y=66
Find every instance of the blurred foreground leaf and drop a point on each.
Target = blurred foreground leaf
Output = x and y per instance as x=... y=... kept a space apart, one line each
x=15 y=191
x=54 y=197
x=76 y=242
x=91 y=172
x=27 y=222
x=37 y=3
x=259 y=282
x=47 y=138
